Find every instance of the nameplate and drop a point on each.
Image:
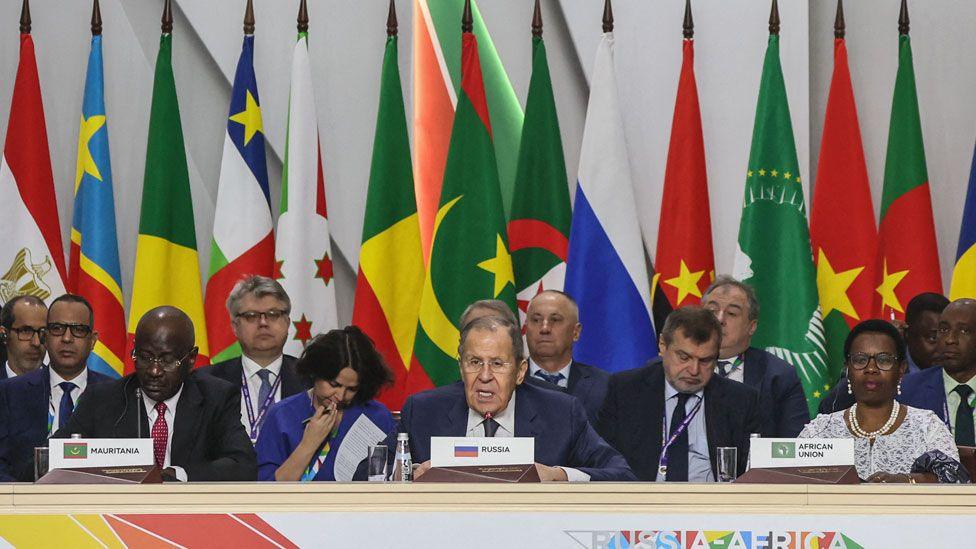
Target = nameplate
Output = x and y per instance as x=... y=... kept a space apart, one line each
x=73 y=453
x=456 y=451
x=800 y=452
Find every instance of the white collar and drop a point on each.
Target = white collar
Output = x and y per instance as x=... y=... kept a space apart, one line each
x=251 y=368
x=533 y=368
x=10 y=372
x=80 y=381
x=670 y=391
x=505 y=418
x=170 y=402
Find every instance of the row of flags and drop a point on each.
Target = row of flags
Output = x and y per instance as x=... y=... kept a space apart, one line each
x=482 y=210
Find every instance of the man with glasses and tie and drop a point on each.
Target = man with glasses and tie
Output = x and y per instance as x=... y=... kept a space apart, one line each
x=37 y=403
x=258 y=307
x=782 y=403
x=491 y=401
x=194 y=420
x=22 y=322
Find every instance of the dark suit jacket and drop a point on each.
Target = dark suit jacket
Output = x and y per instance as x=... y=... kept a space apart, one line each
x=230 y=371
x=209 y=442
x=587 y=383
x=633 y=413
x=24 y=402
x=925 y=389
x=782 y=403
x=563 y=435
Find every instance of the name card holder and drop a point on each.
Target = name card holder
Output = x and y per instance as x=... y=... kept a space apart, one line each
x=463 y=459
x=800 y=461
x=132 y=474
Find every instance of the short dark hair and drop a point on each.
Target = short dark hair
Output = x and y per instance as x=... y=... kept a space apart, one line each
x=500 y=307
x=7 y=312
x=725 y=280
x=327 y=354
x=875 y=326
x=697 y=323
x=493 y=323
x=74 y=298
x=927 y=301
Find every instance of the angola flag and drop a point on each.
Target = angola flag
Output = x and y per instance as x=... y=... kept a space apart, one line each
x=167 y=270
x=908 y=257
x=469 y=259
x=93 y=265
x=774 y=241
x=391 y=262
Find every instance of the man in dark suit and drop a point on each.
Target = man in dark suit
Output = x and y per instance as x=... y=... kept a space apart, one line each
x=259 y=307
x=22 y=322
x=551 y=327
x=194 y=420
x=493 y=366
x=782 y=402
x=950 y=391
x=668 y=417
x=35 y=404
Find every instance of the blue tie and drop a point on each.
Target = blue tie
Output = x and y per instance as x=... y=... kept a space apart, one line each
x=265 y=389
x=67 y=405
x=551 y=378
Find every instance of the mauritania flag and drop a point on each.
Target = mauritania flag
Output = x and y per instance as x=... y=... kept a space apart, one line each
x=606 y=271
x=243 y=241
x=774 y=242
x=964 y=273
x=436 y=79
x=469 y=259
x=167 y=269
x=93 y=266
x=391 y=261
x=303 y=250
x=31 y=252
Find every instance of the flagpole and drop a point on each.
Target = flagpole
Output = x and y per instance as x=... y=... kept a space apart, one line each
x=840 y=28
x=249 y=18
x=96 y=20
x=774 y=19
x=167 y=20
x=688 y=28
x=467 y=21
x=303 y=17
x=391 y=21
x=25 y=18
x=607 y=16
x=903 y=23
x=537 y=21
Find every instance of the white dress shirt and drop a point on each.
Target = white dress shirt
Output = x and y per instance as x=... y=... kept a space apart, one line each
x=10 y=372
x=54 y=408
x=564 y=382
x=737 y=373
x=699 y=460
x=170 y=419
x=251 y=370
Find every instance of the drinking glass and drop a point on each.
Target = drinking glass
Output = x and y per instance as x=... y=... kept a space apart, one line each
x=40 y=461
x=726 y=459
x=376 y=458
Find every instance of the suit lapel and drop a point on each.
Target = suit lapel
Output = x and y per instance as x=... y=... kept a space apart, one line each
x=525 y=414
x=714 y=421
x=187 y=421
x=456 y=422
x=291 y=382
x=754 y=368
x=39 y=400
x=579 y=382
x=935 y=386
x=650 y=425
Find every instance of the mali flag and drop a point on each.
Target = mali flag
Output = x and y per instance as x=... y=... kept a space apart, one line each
x=93 y=266
x=167 y=270
x=908 y=257
x=391 y=262
x=964 y=273
x=469 y=259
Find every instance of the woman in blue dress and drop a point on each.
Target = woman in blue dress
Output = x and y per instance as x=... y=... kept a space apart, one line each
x=305 y=433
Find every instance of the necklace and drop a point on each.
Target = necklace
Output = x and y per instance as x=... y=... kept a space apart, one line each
x=861 y=433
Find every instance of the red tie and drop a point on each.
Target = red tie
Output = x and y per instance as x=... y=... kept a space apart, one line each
x=160 y=432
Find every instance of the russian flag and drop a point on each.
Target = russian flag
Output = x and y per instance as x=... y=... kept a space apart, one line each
x=606 y=270
x=465 y=451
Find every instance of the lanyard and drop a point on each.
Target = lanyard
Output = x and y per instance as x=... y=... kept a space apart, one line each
x=666 y=442
x=255 y=421
x=50 y=416
x=318 y=461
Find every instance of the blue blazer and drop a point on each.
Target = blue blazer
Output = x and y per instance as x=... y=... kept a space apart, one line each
x=563 y=435
x=23 y=420
x=587 y=383
x=782 y=404
x=926 y=390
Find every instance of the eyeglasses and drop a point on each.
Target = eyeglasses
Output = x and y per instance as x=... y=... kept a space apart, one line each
x=144 y=360
x=26 y=333
x=474 y=365
x=252 y=317
x=57 y=329
x=885 y=361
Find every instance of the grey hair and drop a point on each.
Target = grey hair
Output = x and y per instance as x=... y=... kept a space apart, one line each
x=259 y=287
x=499 y=307
x=492 y=324
x=726 y=280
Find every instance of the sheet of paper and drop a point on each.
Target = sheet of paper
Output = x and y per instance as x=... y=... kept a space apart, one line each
x=352 y=452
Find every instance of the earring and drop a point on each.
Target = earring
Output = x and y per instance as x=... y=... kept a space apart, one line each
x=849 y=390
x=899 y=388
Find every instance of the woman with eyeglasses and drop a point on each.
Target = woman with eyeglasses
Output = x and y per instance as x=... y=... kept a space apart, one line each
x=323 y=433
x=892 y=442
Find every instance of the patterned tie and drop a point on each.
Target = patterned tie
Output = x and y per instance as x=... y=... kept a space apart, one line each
x=724 y=367
x=265 y=388
x=678 y=451
x=491 y=427
x=160 y=432
x=965 y=435
x=67 y=405
x=551 y=378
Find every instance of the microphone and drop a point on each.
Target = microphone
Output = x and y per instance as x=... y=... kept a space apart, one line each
x=138 y=412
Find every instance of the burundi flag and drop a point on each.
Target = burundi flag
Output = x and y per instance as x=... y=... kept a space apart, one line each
x=538 y=230
x=908 y=257
x=437 y=76
x=469 y=259
x=239 y=249
x=606 y=270
x=391 y=262
x=842 y=229
x=302 y=247
x=93 y=267
x=167 y=270
x=964 y=273
x=774 y=242
x=31 y=251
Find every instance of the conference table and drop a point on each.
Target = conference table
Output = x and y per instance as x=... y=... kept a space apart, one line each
x=591 y=515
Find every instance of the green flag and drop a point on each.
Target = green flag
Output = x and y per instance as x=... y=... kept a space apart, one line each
x=774 y=254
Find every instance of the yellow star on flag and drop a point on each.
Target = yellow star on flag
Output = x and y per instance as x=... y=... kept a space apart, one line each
x=250 y=118
x=86 y=164
x=500 y=266
x=762 y=173
x=686 y=282
x=833 y=287
x=774 y=173
x=889 y=281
